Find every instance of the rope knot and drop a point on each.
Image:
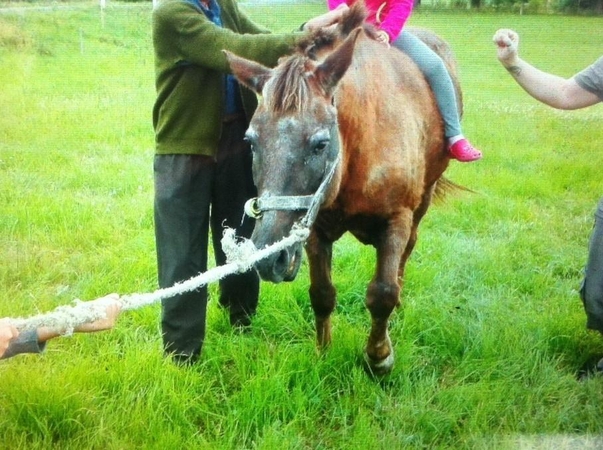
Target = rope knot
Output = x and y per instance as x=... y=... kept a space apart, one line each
x=237 y=249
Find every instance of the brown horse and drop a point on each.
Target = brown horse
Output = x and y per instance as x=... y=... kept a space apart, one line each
x=360 y=115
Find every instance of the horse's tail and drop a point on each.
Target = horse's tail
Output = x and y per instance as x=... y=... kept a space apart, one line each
x=445 y=187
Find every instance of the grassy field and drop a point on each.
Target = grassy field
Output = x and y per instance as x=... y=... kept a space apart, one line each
x=491 y=334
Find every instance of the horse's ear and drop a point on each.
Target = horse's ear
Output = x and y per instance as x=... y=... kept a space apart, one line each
x=353 y=18
x=333 y=68
x=249 y=73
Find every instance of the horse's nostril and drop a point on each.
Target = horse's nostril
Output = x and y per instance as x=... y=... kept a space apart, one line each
x=282 y=262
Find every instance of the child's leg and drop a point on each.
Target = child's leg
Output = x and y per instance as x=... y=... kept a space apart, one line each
x=436 y=73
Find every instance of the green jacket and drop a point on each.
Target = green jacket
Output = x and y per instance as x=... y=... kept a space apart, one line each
x=190 y=68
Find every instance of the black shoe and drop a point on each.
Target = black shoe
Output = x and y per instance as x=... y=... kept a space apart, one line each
x=589 y=370
x=240 y=321
x=183 y=359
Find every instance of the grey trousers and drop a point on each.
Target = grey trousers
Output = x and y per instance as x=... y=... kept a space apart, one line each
x=436 y=73
x=592 y=286
x=194 y=194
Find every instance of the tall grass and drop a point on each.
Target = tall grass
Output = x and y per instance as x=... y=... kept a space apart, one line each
x=489 y=339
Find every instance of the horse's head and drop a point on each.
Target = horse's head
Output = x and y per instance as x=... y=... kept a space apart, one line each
x=294 y=140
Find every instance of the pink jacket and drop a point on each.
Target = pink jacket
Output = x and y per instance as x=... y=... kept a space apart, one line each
x=392 y=16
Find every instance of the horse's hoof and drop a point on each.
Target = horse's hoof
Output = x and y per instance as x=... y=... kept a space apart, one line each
x=379 y=368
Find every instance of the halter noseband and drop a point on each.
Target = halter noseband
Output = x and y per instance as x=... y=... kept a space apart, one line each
x=256 y=206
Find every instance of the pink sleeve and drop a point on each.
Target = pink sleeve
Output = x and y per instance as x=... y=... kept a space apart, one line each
x=396 y=17
x=332 y=4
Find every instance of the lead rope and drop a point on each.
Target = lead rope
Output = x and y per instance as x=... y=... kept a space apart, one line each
x=241 y=255
x=66 y=318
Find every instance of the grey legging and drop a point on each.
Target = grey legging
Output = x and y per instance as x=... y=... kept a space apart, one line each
x=592 y=287
x=437 y=76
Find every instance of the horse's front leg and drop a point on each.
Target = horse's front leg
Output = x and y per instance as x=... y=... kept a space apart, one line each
x=412 y=237
x=383 y=293
x=322 y=292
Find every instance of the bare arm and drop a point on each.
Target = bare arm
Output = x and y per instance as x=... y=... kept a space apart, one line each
x=327 y=19
x=112 y=310
x=33 y=341
x=7 y=334
x=547 y=88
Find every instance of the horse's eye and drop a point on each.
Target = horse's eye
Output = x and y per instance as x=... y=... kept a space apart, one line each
x=248 y=140
x=320 y=146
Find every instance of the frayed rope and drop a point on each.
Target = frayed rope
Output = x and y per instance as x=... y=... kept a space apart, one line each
x=241 y=255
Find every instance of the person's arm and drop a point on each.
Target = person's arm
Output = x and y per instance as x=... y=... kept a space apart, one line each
x=112 y=310
x=547 y=88
x=330 y=18
x=34 y=341
x=182 y=35
x=25 y=342
x=7 y=334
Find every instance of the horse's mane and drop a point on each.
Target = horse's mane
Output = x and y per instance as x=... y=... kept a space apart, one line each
x=289 y=85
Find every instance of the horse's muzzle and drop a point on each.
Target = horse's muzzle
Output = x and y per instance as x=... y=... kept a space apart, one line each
x=282 y=266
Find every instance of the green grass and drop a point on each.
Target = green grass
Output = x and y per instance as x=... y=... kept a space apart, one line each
x=491 y=333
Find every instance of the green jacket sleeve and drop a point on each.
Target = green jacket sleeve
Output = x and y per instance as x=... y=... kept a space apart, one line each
x=183 y=35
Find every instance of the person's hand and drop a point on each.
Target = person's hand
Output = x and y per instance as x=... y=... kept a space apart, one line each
x=383 y=37
x=327 y=19
x=112 y=307
x=7 y=334
x=507 y=43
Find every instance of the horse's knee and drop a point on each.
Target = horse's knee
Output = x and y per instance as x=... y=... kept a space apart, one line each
x=323 y=299
x=382 y=298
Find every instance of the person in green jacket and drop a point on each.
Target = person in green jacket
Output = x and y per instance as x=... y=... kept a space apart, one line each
x=202 y=162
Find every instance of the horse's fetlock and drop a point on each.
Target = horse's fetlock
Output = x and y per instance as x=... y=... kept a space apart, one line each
x=323 y=331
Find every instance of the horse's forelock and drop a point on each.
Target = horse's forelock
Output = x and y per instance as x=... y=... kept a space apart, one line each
x=288 y=90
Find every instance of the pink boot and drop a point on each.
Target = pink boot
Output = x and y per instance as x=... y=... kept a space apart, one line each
x=463 y=151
